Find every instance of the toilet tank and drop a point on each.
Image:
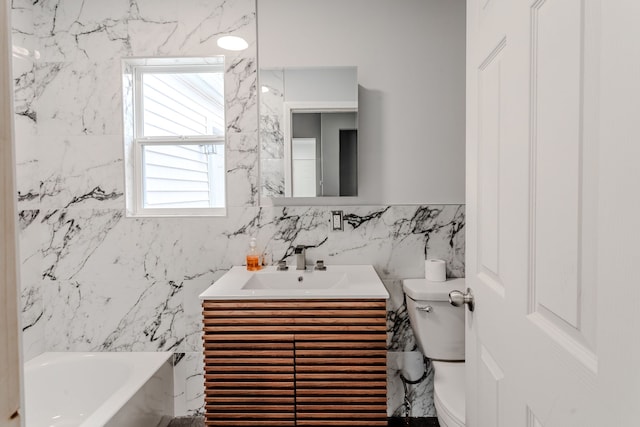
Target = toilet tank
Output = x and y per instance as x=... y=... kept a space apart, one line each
x=438 y=326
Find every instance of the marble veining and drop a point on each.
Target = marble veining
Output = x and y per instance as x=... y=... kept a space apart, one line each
x=72 y=240
x=271 y=132
x=32 y=308
x=96 y=193
x=273 y=179
x=242 y=170
x=119 y=284
x=94 y=279
x=189 y=397
x=241 y=96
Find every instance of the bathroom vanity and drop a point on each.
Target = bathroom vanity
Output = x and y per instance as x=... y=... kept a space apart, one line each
x=282 y=356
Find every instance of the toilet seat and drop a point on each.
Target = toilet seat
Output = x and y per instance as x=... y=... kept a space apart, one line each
x=449 y=393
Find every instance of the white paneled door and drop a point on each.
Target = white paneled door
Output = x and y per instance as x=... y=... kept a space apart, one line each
x=553 y=196
x=9 y=341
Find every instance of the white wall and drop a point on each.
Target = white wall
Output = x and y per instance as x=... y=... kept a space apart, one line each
x=321 y=85
x=410 y=56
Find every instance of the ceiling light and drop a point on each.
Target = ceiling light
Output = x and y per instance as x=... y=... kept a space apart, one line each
x=232 y=43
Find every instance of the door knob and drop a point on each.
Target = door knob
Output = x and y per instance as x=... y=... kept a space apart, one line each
x=457 y=299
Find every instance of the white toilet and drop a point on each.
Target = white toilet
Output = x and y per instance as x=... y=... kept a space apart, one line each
x=439 y=330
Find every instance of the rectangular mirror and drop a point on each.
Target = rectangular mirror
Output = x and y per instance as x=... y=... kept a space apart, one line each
x=309 y=131
x=410 y=59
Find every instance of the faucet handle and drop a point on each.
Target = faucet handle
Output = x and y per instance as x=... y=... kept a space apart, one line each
x=320 y=265
x=282 y=265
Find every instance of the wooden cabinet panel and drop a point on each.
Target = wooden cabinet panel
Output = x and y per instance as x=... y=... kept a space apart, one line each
x=341 y=374
x=311 y=363
x=249 y=376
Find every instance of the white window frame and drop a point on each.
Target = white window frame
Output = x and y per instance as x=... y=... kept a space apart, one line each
x=139 y=142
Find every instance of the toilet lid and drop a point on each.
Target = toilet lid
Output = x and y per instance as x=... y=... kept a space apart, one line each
x=449 y=388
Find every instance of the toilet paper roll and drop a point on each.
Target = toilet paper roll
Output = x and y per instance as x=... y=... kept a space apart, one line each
x=435 y=270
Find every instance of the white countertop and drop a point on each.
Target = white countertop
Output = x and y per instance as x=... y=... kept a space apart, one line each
x=337 y=282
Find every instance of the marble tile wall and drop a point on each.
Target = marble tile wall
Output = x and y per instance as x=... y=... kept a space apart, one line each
x=271 y=133
x=94 y=279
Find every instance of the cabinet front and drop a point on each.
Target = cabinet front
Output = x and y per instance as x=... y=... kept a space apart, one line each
x=286 y=363
x=341 y=364
x=248 y=365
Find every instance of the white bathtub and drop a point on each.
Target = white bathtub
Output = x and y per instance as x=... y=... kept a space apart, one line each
x=98 y=389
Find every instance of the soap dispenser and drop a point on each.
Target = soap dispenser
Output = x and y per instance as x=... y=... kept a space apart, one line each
x=253 y=257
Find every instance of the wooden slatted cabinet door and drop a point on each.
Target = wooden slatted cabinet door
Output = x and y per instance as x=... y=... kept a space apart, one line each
x=340 y=359
x=249 y=372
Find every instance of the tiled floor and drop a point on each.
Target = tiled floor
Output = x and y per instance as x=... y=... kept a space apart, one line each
x=413 y=422
x=393 y=422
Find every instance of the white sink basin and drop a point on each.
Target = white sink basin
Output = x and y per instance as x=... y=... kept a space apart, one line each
x=338 y=281
x=294 y=279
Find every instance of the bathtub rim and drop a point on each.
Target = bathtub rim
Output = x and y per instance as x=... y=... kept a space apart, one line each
x=144 y=366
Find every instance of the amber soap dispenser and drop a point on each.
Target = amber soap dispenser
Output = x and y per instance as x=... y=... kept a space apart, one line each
x=253 y=257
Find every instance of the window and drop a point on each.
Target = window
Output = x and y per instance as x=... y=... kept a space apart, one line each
x=178 y=137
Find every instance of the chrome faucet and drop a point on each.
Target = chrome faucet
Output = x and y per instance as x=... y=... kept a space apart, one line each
x=301 y=261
